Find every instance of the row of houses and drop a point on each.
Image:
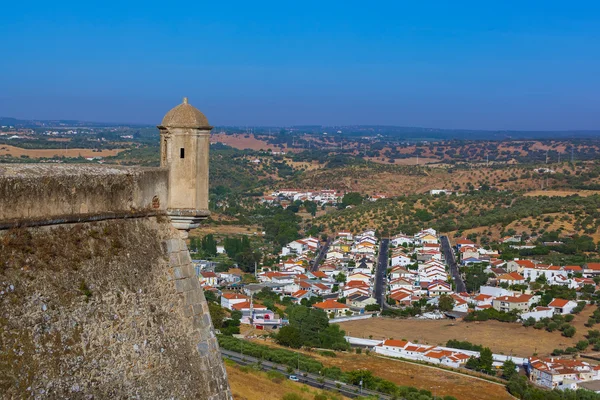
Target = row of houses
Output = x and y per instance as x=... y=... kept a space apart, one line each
x=320 y=197
x=550 y=373
x=417 y=269
x=448 y=356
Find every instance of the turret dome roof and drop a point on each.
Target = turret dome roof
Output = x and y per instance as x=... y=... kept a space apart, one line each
x=185 y=116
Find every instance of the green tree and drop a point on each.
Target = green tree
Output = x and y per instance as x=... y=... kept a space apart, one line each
x=509 y=369
x=217 y=315
x=445 y=303
x=486 y=359
x=289 y=336
x=209 y=245
x=352 y=199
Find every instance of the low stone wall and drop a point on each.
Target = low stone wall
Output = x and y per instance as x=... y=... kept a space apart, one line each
x=66 y=193
x=107 y=309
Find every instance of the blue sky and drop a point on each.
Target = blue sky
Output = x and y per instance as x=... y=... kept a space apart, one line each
x=531 y=65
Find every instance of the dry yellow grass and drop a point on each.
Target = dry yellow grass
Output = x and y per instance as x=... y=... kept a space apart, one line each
x=50 y=153
x=562 y=193
x=500 y=337
x=438 y=381
x=243 y=142
x=254 y=385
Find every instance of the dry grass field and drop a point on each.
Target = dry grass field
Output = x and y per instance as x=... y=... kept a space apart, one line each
x=242 y=142
x=50 y=153
x=562 y=193
x=440 y=382
x=500 y=337
x=255 y=385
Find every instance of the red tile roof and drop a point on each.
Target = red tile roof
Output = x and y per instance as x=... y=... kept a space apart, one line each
x=593 y=266
x=329 y=304
x=395 y=343
x=558 y=303
x=525 y=263
x=234 y=296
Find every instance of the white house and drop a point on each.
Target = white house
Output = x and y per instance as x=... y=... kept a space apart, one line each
x=438 y=288
x=400 y=259
x=229 y=299
x=562 y=306
x=538 y=313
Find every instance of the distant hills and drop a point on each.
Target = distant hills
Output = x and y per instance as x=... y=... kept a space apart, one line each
x=391 y=132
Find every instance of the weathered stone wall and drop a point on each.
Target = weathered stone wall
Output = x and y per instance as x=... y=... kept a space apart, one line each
x=30 y=192
x=105 y=309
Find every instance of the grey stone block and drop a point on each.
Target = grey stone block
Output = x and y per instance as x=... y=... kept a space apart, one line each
x=174 y=259
x=191 y=297
x=178 y=273
x=197 y=309
x=203 y=348
x=189 y=271
x=180 y=285
x=188 y=311
x=185 y=257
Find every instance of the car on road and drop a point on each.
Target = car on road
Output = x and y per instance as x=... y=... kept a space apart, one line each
x=294 y=378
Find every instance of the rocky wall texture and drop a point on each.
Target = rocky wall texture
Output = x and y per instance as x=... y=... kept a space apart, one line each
x=104 y=310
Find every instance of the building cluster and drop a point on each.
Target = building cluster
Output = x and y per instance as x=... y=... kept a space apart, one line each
x=448 y=356
x=343 y=278
x=558 y=373
x=285 y=197
x=417 y=269
x=550 y=373
x=513 y=285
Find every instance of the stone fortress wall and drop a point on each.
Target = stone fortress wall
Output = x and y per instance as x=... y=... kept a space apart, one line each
x=107 y=309
x=35 y=193
x=98 y=295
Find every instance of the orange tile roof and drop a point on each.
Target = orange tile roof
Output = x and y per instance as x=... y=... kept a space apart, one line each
x=299 y=293
x=329 y=304
x=558 y=303
x=395 y=343
x=573 y=268
x=525 y=263
x=234 y=296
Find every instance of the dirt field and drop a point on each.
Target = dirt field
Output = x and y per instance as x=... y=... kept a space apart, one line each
x=438 y=381
x=500 y=337
x=242 y=142
x=49 y=153
x=562 y=193
x=254 y=385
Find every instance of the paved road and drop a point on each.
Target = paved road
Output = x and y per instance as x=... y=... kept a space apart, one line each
x=451 y=261
x=322 y=253
x=313 y=380
x=380 y=274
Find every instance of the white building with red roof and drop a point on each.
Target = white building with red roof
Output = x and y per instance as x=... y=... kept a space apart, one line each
x=228 y=300
x=332 y=307
x=558 y=373
x=562 y=306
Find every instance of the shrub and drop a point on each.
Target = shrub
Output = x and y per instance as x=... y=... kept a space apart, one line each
x=582 y=345
x=570 y=350
x=569 y=317
x=552 y=326
x=569 y=332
